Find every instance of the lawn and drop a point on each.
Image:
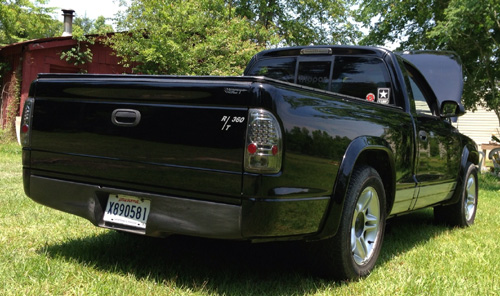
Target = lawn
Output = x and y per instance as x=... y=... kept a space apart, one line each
x=46 y=252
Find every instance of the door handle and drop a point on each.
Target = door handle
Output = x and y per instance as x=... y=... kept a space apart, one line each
x=126 y=117
x=423 y=136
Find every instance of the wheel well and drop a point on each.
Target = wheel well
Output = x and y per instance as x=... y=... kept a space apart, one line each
x=379 y=160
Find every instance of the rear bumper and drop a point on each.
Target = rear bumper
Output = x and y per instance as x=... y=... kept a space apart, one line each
x=255 y=219
x=169 y=215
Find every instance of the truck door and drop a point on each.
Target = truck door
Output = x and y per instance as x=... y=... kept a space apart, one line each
x=438 y=145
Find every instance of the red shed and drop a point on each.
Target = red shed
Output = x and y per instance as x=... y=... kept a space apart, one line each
x=23 y=61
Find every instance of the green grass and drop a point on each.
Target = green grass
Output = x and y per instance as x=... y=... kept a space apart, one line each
x=47 y=252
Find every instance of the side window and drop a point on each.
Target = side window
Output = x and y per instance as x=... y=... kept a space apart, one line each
x=425 y=102
x=314 y=74
x=362 y=77
x=276 y=68
x=421 y=105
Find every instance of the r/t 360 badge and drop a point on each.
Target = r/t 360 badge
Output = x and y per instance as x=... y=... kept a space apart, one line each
x=383 y=95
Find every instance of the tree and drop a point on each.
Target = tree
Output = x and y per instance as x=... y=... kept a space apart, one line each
x=93 y=27
x=100 y=26
x=83 y=30
x=406 y=22
x=80 y=54
x=186 y=37
x=22 y=20
x=84 y=22
x=301 y=22
x=469 y=27
x=472 y=28
x=220 y=36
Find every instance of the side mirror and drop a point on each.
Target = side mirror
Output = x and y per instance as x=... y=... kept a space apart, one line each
x=451 y=109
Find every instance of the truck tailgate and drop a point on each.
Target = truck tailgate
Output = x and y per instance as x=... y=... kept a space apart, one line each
x=178 y=135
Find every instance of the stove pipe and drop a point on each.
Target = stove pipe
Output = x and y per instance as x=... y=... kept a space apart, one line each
x=68 y=21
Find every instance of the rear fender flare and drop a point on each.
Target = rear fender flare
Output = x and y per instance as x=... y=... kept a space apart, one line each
x=352 y=156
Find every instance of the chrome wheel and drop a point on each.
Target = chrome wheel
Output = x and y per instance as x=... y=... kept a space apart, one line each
x=470 y=199
x=365 y=226
x=462 y=213
x=353 y=251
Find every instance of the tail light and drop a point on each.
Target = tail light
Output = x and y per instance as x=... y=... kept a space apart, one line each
x=26 y=122
x=264 y=147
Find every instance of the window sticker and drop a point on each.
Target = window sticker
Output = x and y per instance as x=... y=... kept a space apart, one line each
x=370 y=97
x=383 y=95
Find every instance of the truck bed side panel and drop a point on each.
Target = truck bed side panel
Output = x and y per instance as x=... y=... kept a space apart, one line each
x=318 y=128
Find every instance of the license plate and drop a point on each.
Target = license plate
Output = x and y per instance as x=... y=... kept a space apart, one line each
x=127 y=210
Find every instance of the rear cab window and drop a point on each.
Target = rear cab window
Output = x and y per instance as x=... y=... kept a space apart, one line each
x=362 y=77
x=315 y=74
x=277 y=68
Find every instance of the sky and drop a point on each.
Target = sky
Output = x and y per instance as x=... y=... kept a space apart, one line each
x=92 y=8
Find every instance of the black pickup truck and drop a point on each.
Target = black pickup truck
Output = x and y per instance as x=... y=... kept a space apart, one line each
x=320 y=144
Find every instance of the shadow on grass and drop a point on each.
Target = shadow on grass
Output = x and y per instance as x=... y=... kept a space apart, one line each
x=227 y=267
x=222 y=267
x=408 y=231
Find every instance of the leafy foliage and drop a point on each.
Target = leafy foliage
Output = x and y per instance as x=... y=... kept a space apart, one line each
x=22 y=20
x=472 y=28
x=93 y=27
x=186 y=37
x=80 y=54
x=301 y=22
x=469 y=27
x=83 y=28
x=218 y=37
x=390 y=20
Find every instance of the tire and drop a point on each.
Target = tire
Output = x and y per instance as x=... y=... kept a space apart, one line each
x=354 y=250
x=462 y=213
